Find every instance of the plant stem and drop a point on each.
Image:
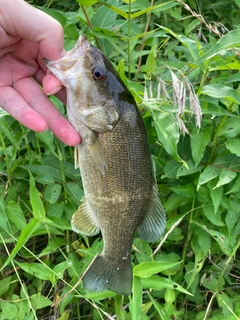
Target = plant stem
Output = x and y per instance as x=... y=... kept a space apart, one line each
x=144 y=41
x=203 y=80
x=118 y=302
x=129 y=34
x=90 y=26
x=188 y=238
x=27 y=143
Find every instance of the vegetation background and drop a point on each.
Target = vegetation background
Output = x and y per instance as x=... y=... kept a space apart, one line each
x=173 y=56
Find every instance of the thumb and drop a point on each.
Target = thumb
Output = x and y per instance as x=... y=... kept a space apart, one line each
x=20 y=19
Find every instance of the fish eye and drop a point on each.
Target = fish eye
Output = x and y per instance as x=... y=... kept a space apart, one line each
x=99 y=73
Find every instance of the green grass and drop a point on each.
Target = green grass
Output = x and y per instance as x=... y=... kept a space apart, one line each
x=161 y=50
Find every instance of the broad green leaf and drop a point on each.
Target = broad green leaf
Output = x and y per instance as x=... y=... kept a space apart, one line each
x=199 y=260
x=191 y=26
x=38 y=301
x=35 y=200
x=61 y=267
x=171 y=169
x=226 y=305
x=235 y=187
x=45 y=179
x=87 y=3
x=237 y=3
x=56 y=15
x=15 y=214
x=151 y=63
x=169 y=296
x=9 y=310
x=52 y=192
x=231 y=220
x=48 y=139
x=233 y=145
x=226 y=176
x=230 y=129
x=228 y=41
x=160 y=310
x=3 y=217
x=187 y=42
x=44 y=170
x=121 y=70
x=221 y=239
x=159 y=283
x=38 y=270
x=4 y=285
x=188 y=190
x=71 y=31
x=58 y=223
x=188 y=169
x=216 y=194
x=26 y=233
x=146 y=269
x=209 y=105
x=160 y=7
x=3 y=113
x=199 y=141
x=221 y=92
x=213 y=217
x=167 y=131
x=227 y=66
x=209 y=173
x=104 y=16
x=7 y=132
x=52 y=246
x=116 y=10
x=97 y=296
x=143 y=250
x=204 y=240
x=175 y=201
x=74 y=191
x=234 y=78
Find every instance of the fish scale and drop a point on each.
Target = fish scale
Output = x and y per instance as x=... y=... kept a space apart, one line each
x=121 y=195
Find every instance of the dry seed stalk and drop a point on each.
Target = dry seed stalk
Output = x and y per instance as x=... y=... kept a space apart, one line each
x=180 y=90
x=211 y=27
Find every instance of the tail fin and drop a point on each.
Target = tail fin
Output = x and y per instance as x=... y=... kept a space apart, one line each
x=103 y=275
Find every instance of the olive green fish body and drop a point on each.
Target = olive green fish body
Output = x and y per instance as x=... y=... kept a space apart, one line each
x=115 y=165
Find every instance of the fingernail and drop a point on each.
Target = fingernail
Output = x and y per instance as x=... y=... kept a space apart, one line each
x=62 y=53
x=54 y=91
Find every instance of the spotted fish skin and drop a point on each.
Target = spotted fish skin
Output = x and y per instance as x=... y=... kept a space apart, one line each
x=121 y=195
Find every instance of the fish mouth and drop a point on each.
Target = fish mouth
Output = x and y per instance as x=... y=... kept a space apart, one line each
x=79 y=50
x=81 y=47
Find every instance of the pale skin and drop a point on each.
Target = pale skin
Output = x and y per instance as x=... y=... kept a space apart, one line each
x=27 y=36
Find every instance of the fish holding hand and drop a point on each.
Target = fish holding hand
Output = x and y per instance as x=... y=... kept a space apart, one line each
x=121 y=194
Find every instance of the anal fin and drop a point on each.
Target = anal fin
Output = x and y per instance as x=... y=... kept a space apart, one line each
x=83 y=220
x=154 y=223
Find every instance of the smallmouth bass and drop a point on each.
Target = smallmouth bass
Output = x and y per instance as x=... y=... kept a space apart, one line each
x=121 y=195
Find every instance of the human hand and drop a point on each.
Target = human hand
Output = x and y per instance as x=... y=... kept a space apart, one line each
x=27 y=36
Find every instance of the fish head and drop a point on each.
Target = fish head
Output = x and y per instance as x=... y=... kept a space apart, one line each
x=87 y=73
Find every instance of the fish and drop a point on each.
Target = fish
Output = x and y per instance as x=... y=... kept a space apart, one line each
x=120 y=190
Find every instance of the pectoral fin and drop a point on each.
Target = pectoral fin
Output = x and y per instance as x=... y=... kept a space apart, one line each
x=96 y=151
x=98 y=155
x=153 y=225
x=83 y=220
